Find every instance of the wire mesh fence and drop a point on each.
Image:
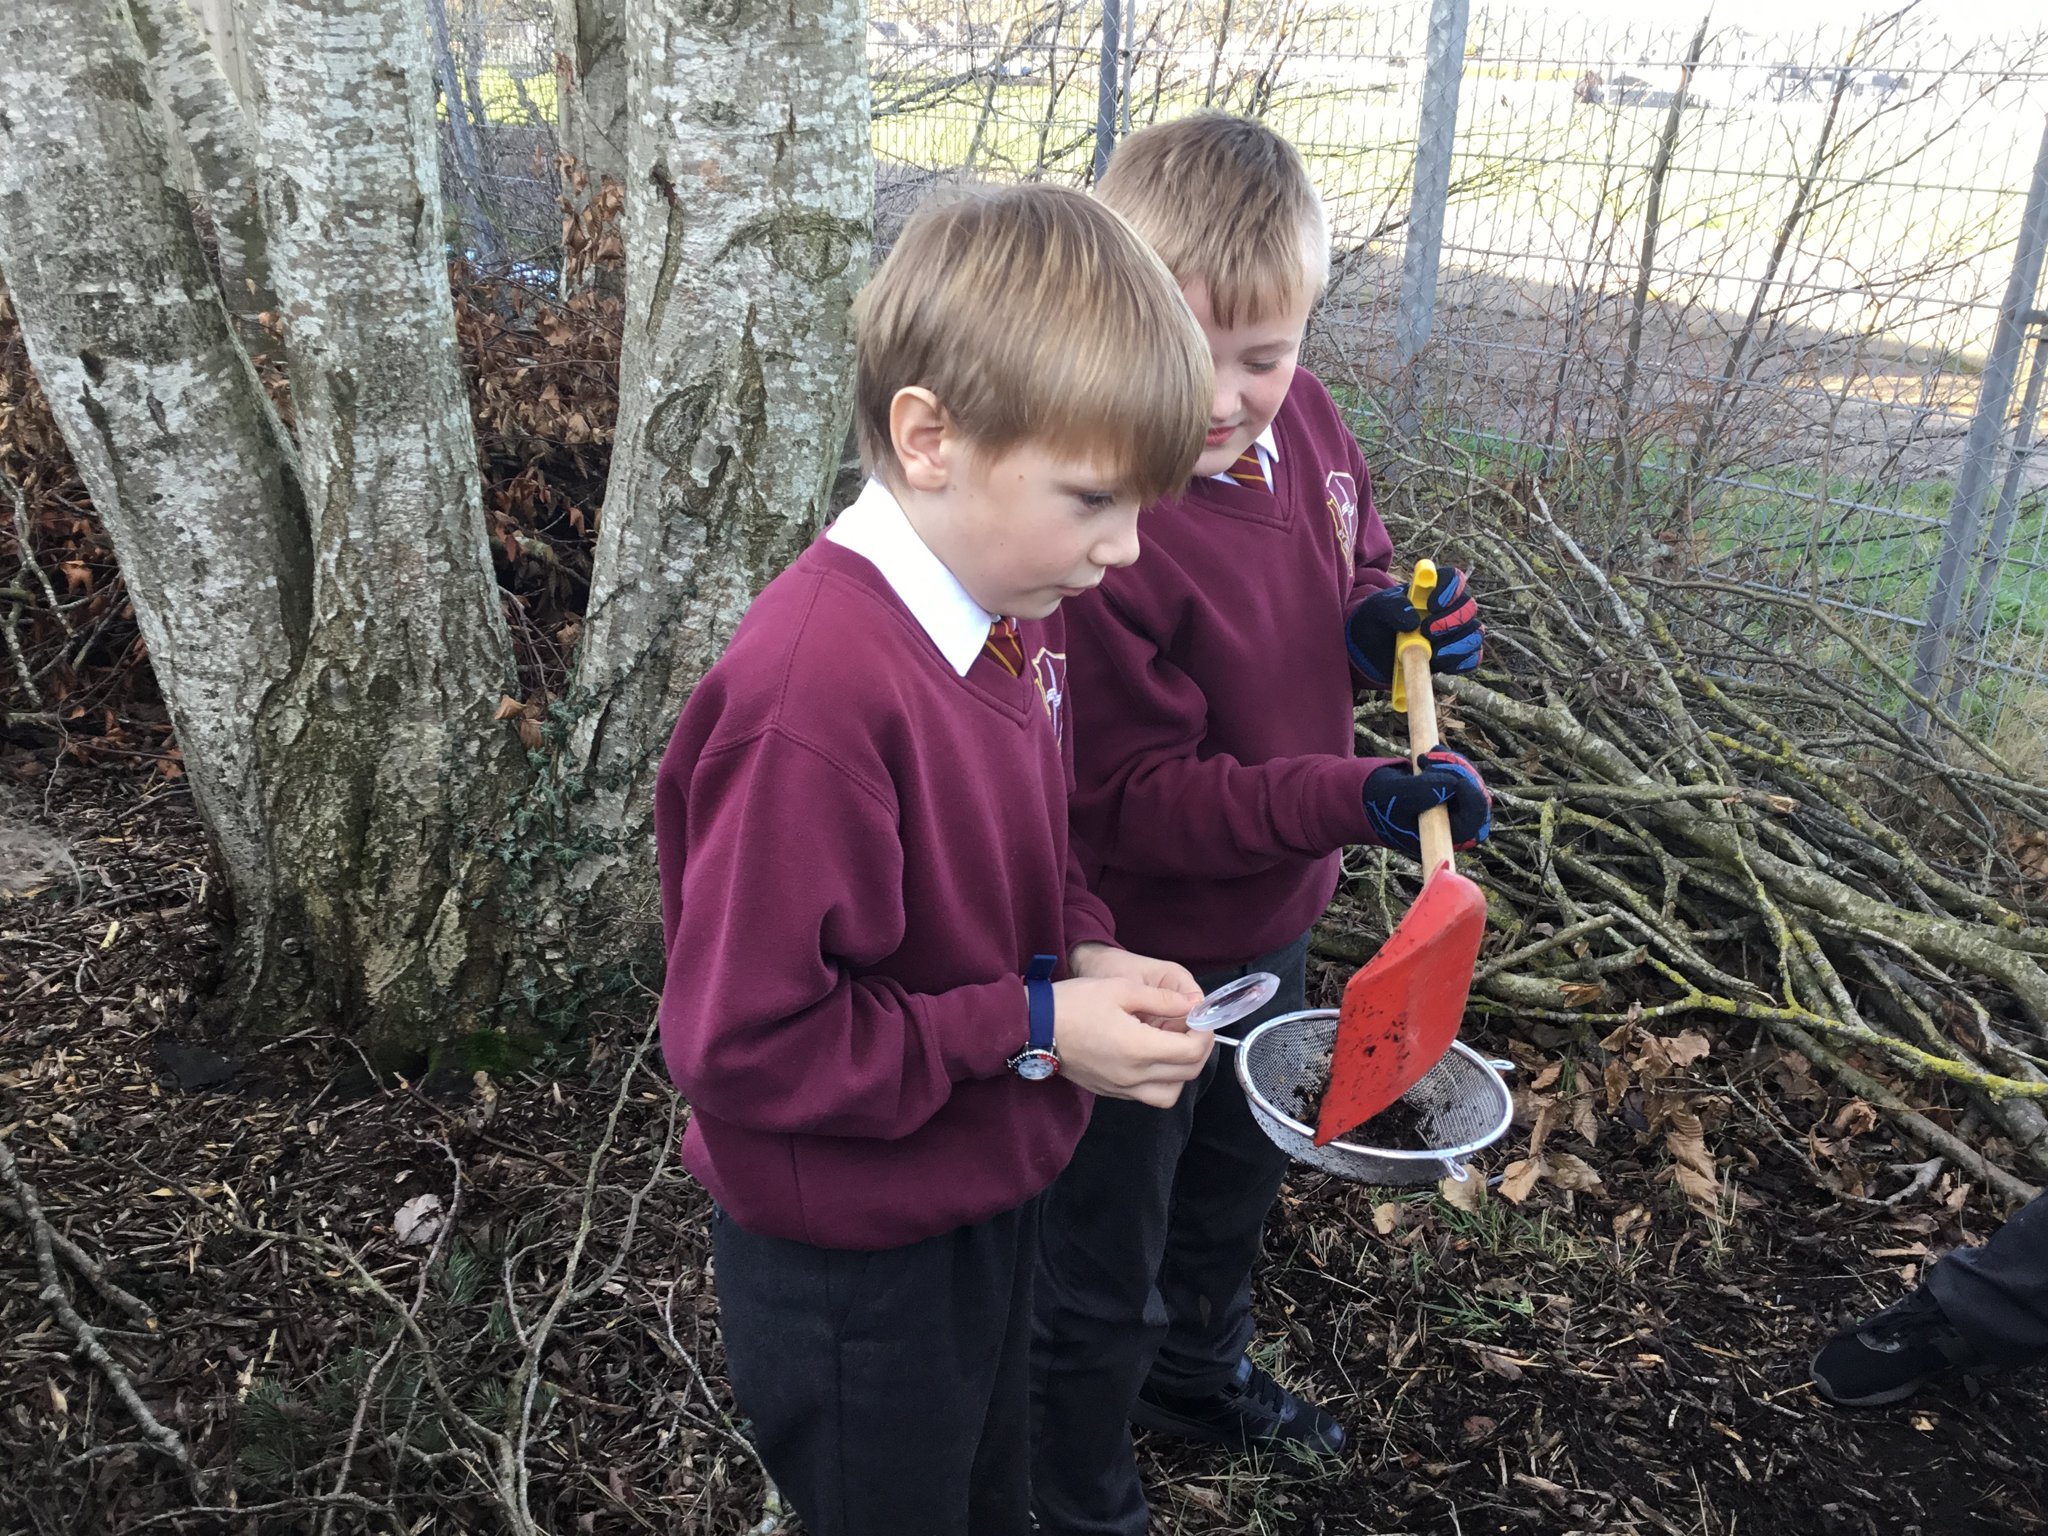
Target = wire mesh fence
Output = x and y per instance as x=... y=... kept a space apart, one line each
x=1733 y=296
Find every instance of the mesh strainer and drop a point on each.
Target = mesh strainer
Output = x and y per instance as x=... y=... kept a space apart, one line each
x=1462 y=1104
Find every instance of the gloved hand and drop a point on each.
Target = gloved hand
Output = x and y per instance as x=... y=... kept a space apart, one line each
x=1451 y=625
x=1397 y=795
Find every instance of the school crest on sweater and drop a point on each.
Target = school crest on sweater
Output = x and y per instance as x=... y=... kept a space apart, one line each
x=1049 y=669
x=1340 y=493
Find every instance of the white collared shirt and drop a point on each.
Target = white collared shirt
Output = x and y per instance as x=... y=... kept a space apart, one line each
x=1269 y=455
x=875 y=528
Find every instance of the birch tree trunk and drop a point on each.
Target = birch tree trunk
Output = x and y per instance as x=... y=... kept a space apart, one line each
x=325 y=621
x=189 y=86
x=188 y=467
x=384 y=771
x=749 y=215
x=590 y=85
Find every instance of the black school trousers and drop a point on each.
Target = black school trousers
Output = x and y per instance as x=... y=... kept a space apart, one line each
x=1145 y=1263
x=889 y=1391
x=1996 y=1296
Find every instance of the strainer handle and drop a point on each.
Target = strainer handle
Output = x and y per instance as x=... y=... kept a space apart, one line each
x=1456 y=1171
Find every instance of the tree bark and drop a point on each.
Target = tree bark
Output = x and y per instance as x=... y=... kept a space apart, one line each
x=188 y=467
x=189 y=86
x=749 y=215
x=385 y=771
x=590 y=85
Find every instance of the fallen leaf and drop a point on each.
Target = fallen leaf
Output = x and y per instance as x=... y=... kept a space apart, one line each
x=1386 y=1218
x=1467 y=1194
x=1854 y=1118
x=1630 y=1222
x=418 y=1221
x=59 y=1403
x=1568 y=1171
x=1586 y=1122
x=1478 y=1427
x=1520 y=1180
x=1548 y=1075
x=1500 y=1364
x=1615 y=1081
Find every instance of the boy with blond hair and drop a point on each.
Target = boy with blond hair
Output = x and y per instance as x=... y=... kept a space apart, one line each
x=867 y=885
x=1216 y=785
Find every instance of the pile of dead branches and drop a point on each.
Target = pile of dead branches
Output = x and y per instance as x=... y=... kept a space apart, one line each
x=1702 y=812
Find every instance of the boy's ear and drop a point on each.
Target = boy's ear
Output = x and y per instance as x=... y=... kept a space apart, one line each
x=922 y=435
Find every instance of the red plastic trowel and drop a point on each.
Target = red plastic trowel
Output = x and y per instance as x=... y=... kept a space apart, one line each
x=1402 y=1010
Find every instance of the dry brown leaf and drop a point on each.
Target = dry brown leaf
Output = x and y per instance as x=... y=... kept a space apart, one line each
x=1546 y=1121
x=1615 y=1081
x=1548 y=1075
x=1467 y=1194
x=1585 y=1121
x=1520 y=1181
x=1386 y=1218
x=1854 y=1118
x=1500 y=1364
x=1568 y=1171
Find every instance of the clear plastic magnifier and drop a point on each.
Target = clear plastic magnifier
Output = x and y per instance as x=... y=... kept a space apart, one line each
x=1234 y=1000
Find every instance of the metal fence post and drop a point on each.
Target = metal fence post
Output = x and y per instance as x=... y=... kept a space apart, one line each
x=1984 y=600
x=1107 y=78
x=1980 y=445
x=1434 y=141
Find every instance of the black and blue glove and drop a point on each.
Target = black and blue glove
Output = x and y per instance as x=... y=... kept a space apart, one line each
x=1451 y=627
x=1397 y=795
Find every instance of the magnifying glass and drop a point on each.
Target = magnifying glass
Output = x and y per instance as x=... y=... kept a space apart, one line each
x=1232 y=1001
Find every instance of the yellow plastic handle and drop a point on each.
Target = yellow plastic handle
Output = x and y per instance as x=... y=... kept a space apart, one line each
x=1419 y=590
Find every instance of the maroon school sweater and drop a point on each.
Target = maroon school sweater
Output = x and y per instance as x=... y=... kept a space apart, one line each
x=860 y=853
x=1216 y=777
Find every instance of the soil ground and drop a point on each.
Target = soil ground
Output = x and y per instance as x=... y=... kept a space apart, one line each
x=1614 y=1359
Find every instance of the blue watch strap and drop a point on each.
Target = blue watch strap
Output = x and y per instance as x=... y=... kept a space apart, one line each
x=1038 y=989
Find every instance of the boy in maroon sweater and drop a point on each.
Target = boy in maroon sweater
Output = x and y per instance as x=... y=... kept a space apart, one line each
x=1216 y=785
x=867 y=886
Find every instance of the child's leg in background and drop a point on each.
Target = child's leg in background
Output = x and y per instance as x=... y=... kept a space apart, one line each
x=889 y=1391
x=1996 y=1296
x=1229 y=1176
x=1150 y=1238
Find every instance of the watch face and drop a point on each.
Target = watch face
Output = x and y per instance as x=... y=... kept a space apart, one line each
x=1036 y=1066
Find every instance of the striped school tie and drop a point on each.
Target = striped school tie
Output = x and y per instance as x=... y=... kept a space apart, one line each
x=1248 y=470
x=1003 y=644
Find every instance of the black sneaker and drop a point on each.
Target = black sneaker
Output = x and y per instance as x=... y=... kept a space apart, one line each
x=1889 y=1357
x=1253 y=1413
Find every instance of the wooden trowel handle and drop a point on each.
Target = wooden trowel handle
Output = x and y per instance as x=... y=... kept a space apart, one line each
x=1411 y=660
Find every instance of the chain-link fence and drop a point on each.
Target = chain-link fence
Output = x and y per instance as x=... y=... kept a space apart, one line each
x=1746 y=304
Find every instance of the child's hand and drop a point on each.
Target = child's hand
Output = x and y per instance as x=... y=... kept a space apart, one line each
x=1451 y=627
x=1105 y=1044
x=1397 y=795
x=1106 y=960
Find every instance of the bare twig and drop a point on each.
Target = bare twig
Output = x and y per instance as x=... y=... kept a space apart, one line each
x=54 y=1296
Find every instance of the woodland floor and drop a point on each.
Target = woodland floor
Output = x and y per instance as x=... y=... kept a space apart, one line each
x=1614 y=1359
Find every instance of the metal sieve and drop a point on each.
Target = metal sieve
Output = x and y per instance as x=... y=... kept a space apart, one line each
x=1462 y=1104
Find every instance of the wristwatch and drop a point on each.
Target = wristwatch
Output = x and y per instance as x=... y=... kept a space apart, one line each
x=1039 y=1059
